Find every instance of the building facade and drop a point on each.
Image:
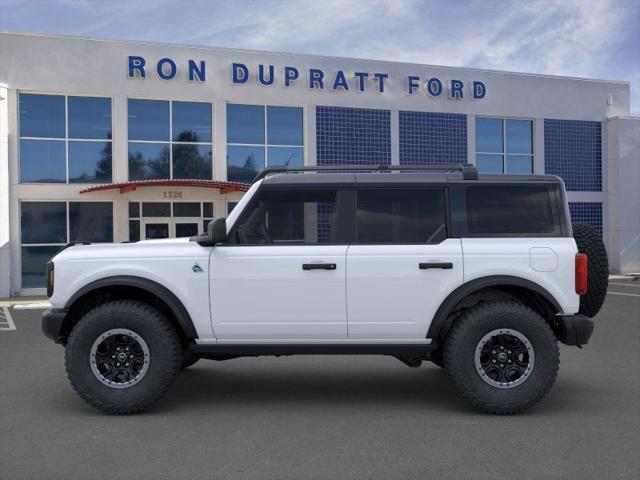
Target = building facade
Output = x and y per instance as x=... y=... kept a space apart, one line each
x=112 y=141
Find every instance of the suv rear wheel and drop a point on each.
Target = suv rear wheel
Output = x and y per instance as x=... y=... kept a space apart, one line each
x=122 y=356
x=502 y=357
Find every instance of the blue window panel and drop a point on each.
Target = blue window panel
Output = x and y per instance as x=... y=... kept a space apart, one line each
x=245 y=124
x=587 y=212
x=573 y=151
x=192 y=161
x=34 y=265
x=519 y=136
x=43 y=222
x=89 y=117
x=284 y=126
x=522 y=164
x=353 y=136
x=148 y=119
x=89 y=162
x=41 y=115
x=285 y=156
x=489 y=163
x=432 y=138
x=148 y=161
x=42 y=161
x=489 y=135
x=244 y=163
x=91 y=221
x=192 y=122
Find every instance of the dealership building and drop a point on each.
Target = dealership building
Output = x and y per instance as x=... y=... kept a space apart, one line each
x=115 y=141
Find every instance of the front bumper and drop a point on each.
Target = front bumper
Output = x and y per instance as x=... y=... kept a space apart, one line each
x=574 y=329
x=52 y=322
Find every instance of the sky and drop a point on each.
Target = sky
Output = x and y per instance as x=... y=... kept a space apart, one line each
x=579 y=38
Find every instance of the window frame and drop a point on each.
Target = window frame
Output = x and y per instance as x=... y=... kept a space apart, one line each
x=203 y=218
x=170 y=142
x=504 y=154
x=265 y=146
x=66 y=139
x=444 y=189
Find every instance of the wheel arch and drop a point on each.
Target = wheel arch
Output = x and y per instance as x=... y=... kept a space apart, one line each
x=128 y=287
x=491 y=287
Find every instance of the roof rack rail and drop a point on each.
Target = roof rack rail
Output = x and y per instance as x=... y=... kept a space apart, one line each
x=469 y=172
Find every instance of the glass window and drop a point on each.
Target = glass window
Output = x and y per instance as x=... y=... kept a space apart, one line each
x=89 y=162
x=207 y=209
x=42 y=115
x=89 y=117
x=249 y=152
x=285 y=156
x=91 y=221
x=156 y=230
x=284 y=126
x=186 y=229
x=509 y=210
x=42 y=161
x=148 y=161
x=191 y=122
x=134 y=230
x=148 y=119
x=156 y=209
x=504 y=146
x=231 y=206
x=192 y=161
x=244 y=163
x=291 y=217
x=401 y=216
x=245 y=124
x=186 y=209
x=34 y=265
x=134 y=210
x=43 y=222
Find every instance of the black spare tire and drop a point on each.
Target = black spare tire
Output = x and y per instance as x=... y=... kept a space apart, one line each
x=590 y=243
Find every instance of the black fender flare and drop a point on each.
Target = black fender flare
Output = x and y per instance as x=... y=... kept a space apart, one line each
x=441 y=321
x=164 y=294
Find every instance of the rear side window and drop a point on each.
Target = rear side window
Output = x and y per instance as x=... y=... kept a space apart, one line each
x=509 y=210
x=401 y=216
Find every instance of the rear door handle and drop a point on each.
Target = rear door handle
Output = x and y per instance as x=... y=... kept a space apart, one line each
x=319 y=266
x=442 y=265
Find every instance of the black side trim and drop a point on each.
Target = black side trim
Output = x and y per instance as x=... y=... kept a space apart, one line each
x=175 y=305
x=52 y=321
x=255 y=350
x=441 y=323
x=574 y=329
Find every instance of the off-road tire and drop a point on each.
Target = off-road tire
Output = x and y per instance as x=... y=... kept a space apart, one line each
x=165 y=356
x=462 y=341
x=590 y=242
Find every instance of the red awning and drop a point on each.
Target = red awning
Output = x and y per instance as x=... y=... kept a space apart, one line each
x=224 y=187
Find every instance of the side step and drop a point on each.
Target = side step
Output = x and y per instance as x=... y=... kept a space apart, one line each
x=239 y=350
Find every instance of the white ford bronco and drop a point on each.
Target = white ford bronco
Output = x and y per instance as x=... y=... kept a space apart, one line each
x=479 y=274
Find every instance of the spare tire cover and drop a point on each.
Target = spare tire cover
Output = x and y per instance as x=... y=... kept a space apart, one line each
x=590 y=242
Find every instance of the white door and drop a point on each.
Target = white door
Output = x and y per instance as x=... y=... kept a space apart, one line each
x=402 y=266
x=284 y=277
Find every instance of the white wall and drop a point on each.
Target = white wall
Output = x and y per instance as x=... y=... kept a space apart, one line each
x=5 y=250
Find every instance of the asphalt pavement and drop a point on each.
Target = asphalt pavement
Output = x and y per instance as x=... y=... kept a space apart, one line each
x=320 y=417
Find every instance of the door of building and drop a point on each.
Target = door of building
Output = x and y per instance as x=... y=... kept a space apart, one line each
x=167 y=227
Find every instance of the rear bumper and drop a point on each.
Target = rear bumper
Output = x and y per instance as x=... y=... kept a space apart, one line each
x=52 y=321
x=574 y=329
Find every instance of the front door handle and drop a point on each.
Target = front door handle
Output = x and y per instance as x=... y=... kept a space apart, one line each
x=442 y=265
x=319 y=266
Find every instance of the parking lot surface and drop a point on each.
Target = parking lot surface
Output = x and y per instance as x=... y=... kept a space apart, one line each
x=326 y=417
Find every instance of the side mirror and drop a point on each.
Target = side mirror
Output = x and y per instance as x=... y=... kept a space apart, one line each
x=217 y=230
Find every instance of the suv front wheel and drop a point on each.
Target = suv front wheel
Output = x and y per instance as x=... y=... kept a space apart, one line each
x=122 y=356
x=502 y=357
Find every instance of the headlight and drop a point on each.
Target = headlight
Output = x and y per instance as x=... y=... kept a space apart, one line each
x=50 y=278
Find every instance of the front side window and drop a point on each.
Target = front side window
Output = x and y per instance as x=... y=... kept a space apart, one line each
x=170 y=140
x=65 y=139
x=504 y=145
x=46 y=227
x=259 y=136
x=509 y=210
x=401 y=216
x=291 y=217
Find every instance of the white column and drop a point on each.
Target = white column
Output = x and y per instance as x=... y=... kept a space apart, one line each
x=538 y=146
x=5 y=244
x=395 y=137
x=310 y=136
x=471 y=139
x=220 y=141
